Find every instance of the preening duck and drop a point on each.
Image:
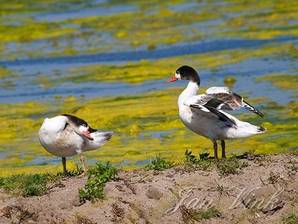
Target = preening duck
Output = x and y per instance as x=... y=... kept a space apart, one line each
x=67 y=135
x=204 y=114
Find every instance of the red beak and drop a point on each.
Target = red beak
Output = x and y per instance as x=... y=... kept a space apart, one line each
x=87 y=135
x=173 y=79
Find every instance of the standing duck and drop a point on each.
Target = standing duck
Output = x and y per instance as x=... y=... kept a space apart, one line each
x=204 y=115
x=67 y=135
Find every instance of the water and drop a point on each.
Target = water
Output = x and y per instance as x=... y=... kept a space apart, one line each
x=165 y=52
x=26 y=89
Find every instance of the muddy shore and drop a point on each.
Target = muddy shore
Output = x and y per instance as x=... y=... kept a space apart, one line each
x=265 y=191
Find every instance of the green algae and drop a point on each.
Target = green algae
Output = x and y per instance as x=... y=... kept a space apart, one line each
x=145 y=126
x=4 y=72
x=261 y=19
x=138 y=72
x=230 y=81
x=283 y=81
x=148 y=26
x=34 y=31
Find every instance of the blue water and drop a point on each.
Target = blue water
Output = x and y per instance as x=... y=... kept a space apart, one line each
x=165 y=52
x=25 y=86
x=82 y=13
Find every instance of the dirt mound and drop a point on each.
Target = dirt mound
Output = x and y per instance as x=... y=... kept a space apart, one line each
x=263 y=192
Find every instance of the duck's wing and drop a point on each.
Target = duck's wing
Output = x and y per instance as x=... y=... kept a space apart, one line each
x=76 y=120
x=195 y=104
x=221 y=98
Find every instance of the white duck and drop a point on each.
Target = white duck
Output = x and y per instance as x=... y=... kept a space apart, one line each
x=67 y=135
x=204 y=115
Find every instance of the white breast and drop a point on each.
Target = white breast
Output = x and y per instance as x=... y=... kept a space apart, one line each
x=58 y=141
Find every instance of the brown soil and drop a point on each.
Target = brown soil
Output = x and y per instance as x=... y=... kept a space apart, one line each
x=268 y=184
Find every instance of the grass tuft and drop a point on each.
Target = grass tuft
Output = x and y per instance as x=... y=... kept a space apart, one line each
x=32 y=184
x=290 y=219
x=230 y=165
x=273 y=177
x=189 y=215
x=160 y=164
x=97 y=177
x=224 y=166
x=203 y=161
x=26 y=184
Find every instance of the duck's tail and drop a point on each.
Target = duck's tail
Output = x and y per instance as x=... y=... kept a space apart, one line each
x=245 y=129
x=99 y=139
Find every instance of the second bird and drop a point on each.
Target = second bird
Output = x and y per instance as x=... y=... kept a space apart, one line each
x=67 y=135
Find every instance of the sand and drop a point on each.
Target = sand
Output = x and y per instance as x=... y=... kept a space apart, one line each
x=263 y=192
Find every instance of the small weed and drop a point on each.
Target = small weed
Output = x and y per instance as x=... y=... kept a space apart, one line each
x=198 y=215
x=97 y=177
x=273 y=178
x=159 y=164
x=293 y=165
x=249 y=155
x=203 y=161
x=230 y=166
x=209 y=213
x=220 y=189
x=32 y=184
x=26 y=184
x=290 y=219
x=84 y=220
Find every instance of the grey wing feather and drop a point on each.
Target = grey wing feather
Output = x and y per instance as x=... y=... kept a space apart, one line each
x=221 y=99
x=210 y=111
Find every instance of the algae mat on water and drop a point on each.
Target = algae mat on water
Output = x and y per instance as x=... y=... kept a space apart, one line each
x=146 y=25
x=145 y=126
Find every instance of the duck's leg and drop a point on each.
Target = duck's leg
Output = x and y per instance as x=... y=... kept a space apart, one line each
x=223 y=149
x=85 y=167
x=215 y=150
x=64 y=165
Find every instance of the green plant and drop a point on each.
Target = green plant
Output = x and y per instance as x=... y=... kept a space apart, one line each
x=209 y=213
x=220 y=189
x=230 y=166
x=32 y=184
x=159 y=164
x=26 y=184
x=292 y=165
x=290 y=219
x=97 y=177
x=198 y=215
x=273 y=177
x=203 y=161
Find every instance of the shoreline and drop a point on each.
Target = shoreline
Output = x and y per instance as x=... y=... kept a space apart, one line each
x=262 y=191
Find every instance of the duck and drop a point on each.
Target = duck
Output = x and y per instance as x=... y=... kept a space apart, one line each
x=66 y=135
x=206 y=114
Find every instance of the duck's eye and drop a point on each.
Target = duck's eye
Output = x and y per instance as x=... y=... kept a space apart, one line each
x=66 y=124
x=84 y=125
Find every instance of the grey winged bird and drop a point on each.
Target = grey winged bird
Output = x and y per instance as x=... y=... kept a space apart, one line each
x=206 y=115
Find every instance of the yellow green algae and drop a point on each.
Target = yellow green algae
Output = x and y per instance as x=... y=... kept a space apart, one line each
x=152 y=24
x=4 y=72
x=283 y=81
x=138 y=72
x=271 y=19
x=145 y=126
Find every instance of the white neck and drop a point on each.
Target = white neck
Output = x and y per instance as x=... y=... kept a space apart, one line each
x=191 y=90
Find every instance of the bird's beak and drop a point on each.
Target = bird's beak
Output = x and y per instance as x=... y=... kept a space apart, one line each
x=173 y=79
x=87 y=135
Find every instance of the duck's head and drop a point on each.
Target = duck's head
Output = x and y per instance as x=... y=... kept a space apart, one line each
x=186 y=72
